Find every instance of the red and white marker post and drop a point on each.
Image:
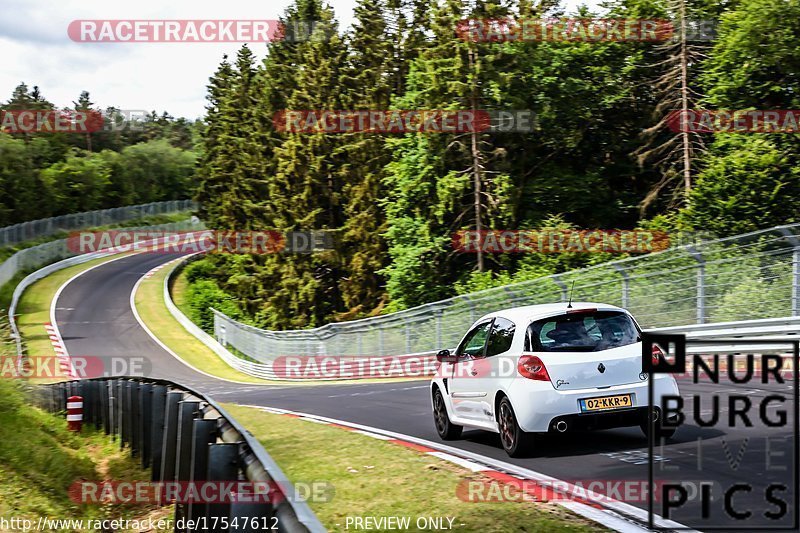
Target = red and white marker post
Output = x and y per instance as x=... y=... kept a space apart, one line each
x=74 y=413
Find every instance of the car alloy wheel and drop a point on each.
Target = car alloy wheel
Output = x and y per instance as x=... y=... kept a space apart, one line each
x=516 y=443
x=507 y=426
x=446 y=429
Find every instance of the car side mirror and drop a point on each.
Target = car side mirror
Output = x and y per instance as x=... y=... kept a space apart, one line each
x=445 y=356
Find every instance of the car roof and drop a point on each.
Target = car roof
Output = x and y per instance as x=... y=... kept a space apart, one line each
x=532 y=312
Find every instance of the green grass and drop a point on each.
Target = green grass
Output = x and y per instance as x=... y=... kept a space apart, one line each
x=378 y=478
x=40 y=459
x=154 y=313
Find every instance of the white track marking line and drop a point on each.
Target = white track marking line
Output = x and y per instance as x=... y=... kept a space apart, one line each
x=469 y=465
x=53 y=305
x=368 y=434
x=616 y=515
x=315 y=421
x=608 y=519
x=167 y=348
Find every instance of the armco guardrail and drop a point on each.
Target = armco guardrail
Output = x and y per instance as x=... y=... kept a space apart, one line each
x=779 y=330
x=26 y=231
x=186 y=437
x=36 y=256
x=262 y=370
x=746 y=277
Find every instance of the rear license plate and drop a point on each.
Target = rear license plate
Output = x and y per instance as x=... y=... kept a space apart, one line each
x=606 y=403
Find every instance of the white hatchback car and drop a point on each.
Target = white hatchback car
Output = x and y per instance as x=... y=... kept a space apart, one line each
x=547 y=368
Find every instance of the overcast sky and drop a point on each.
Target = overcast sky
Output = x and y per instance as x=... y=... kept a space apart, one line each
x=138 y=76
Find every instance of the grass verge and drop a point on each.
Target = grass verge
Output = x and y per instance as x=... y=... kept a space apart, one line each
x=153 y=311
x=40 y=460
x=377 y=478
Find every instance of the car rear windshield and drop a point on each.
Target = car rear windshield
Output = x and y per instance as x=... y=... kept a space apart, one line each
x=582 y=331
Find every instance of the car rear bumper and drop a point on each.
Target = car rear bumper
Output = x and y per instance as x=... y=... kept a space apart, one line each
x=602 y=420
x=540 y=411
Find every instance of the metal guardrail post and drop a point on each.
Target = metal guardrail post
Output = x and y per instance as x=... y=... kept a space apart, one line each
x=204 y=433
x=136 y=415
x=113 y=409
x=157 y=429
x=97 y=408
x=63 y=394
x=120 y=414
x=81 y=387
x=626 y=285
x=223 y=465
x=187 y=411
x=438 y=316
x=252 y=515
x=701 y=283
x=87 y=392
x=562 y=287
x=795 y=242
x=216 y=450
x=145 y=422
x=105 y=407
x=170 y=438
x=127 y=414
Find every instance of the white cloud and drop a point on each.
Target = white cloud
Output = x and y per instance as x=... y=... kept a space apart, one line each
x=150 y=76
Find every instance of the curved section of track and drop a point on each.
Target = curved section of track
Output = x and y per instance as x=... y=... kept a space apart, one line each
x=94 y=315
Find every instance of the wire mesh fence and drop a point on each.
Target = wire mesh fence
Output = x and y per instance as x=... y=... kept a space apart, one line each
x=46 y=227
x=750 y=276
x=42 y=254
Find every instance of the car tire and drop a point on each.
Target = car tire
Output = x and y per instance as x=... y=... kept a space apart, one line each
x=444 y=427
x=515 y=441
x=661 y=432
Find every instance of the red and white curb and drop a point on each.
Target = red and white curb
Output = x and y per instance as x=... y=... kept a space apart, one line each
x=152 y=272
x=613 y=514
x=64 y=361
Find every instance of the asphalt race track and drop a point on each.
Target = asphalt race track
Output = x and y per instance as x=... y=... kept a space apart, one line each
x=95 y=319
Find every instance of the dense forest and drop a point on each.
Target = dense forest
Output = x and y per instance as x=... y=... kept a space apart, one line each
x=125 y=162
x=601 y=155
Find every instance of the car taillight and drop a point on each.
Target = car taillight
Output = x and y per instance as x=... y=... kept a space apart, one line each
x=658 y=354
x=531 y=367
